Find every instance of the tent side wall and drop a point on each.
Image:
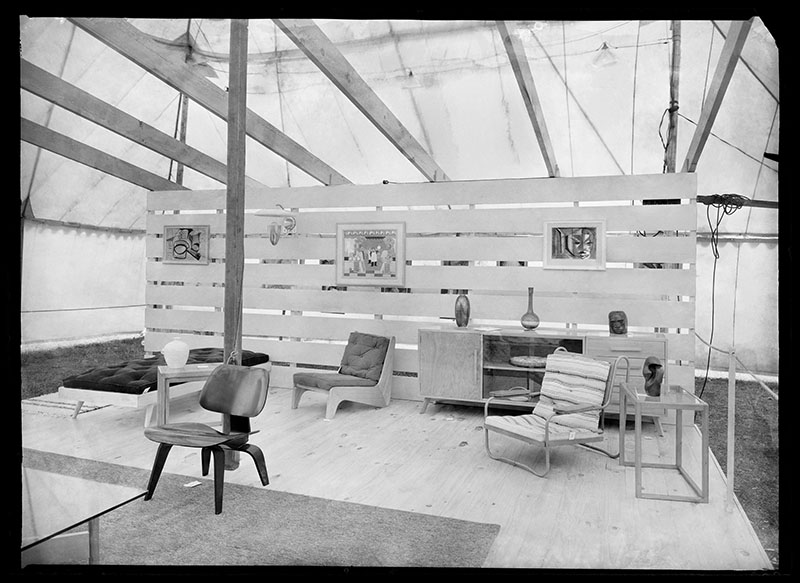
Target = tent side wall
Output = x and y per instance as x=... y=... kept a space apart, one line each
x=80 y=283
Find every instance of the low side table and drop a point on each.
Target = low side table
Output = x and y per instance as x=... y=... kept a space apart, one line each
x=679 y=400
x=168 y=376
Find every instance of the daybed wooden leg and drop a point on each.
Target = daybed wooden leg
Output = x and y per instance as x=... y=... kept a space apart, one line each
x=158 y=465
x=658 y=426
x=148 y=415
x=77 y=410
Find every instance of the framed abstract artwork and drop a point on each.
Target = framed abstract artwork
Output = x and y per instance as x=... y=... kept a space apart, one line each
x=574 y=245
x=371 y=254
x=186 y=244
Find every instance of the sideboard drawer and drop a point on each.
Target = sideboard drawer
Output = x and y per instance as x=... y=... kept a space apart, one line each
x=605 y=347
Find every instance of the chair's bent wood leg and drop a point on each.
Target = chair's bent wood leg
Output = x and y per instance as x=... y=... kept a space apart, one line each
x=297 y=392
x=333 y=404
x=514 y=462
x=205 y=459
x=657 y=421
x=258 y=457
x=219 y=476
x=77 y=410
x=158 y=466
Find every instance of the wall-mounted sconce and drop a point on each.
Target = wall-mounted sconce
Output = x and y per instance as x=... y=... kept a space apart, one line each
x=282 y=222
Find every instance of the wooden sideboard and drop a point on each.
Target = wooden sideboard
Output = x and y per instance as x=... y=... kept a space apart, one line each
x=465 y=365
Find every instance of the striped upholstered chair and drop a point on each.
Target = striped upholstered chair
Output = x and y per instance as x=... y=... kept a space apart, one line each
x=575 y=392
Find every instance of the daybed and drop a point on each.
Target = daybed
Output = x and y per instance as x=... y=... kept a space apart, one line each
x=133 y=383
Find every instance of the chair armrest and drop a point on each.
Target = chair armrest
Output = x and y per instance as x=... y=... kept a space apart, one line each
x=562 y=409
x=512 y=392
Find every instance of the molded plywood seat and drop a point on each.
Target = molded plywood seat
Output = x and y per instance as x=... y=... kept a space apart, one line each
x=364 y=376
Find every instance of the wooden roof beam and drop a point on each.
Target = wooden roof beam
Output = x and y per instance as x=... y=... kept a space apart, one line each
x=67 y=96
x=728 y=58
x=310 y=39
x=43 y=137
x=522 y=71
x=143 y=50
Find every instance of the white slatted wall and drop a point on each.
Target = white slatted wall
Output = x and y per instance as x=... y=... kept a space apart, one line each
x=491 y=225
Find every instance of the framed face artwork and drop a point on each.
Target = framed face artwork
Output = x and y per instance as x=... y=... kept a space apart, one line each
x=370 y=254
x=574 y=245
x=186 y=244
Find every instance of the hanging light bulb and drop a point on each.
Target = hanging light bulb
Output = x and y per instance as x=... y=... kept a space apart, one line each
x=605 y=56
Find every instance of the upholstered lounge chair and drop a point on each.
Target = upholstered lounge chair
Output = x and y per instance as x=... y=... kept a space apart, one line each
x=364 y=375
x=574 y=394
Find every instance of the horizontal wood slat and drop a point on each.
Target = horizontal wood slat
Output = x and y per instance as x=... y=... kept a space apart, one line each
x=620 y=249
x=610 y=281
x=509 y=220
x=454 y=193
x=283 y=351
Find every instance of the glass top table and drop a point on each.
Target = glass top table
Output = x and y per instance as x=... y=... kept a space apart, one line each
x=672 y=398
x=53 y=504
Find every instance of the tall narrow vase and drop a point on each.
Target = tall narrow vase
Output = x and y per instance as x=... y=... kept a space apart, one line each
x=462 y=311
x=529 y=320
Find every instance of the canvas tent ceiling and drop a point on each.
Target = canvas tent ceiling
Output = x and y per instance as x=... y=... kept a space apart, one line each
x=604 y=87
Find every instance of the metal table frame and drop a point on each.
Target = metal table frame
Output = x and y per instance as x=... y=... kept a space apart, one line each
x=678 y=399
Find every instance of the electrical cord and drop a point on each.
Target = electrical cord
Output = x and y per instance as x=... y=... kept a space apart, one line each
x=725 y=204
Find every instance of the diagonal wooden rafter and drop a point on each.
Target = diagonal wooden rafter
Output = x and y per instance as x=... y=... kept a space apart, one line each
x=67 y=96
x=728 y=58
x=43 y=137
x=310 y=39
x=522 y=71
x=143 y=50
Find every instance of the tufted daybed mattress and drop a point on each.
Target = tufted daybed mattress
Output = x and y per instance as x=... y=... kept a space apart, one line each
x=133 y=383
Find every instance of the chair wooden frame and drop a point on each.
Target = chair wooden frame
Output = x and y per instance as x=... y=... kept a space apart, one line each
x=559 y=410
x=378 y=395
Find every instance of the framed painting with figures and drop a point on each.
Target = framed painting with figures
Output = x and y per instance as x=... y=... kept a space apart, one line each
x=186 y=244
x=370 y=254
x=574 y=245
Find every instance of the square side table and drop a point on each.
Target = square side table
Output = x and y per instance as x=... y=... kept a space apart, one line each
x=679 y=400
x=169 y=376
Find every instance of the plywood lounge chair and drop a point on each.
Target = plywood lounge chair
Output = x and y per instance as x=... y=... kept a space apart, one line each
x=574 y=394
x=364 y=375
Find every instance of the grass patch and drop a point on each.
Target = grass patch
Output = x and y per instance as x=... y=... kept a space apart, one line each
x=755 y=451
x=43 y=371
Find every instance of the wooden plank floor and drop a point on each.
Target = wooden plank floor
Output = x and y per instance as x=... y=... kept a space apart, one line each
x=583 y=515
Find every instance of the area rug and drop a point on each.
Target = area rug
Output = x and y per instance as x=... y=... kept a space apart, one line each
x=263 y=526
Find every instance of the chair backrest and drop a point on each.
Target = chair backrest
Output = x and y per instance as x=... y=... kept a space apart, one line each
x=387 y=371
x=571 y=378
x=236 y=390
x=365 y=355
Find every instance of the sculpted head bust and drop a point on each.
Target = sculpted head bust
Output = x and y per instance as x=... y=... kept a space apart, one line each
x=617 y=322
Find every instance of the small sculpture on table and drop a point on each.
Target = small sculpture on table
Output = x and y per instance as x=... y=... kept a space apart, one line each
x=653 y=372
x=618 y=323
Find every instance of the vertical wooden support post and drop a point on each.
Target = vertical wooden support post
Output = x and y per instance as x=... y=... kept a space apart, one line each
x=731 y=425
x=234 y=219
x=672 y=134
x=184 y=105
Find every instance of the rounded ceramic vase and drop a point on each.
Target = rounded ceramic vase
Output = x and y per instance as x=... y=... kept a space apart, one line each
x=176 y=353
x=462 y=311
